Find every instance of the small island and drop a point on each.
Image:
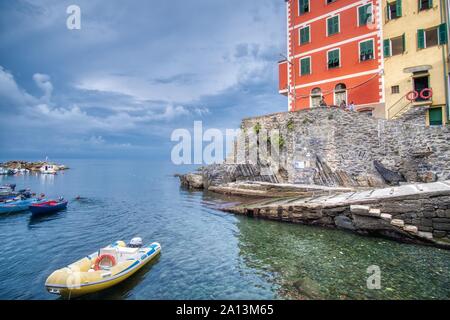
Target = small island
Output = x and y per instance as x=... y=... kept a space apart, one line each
x=20 y=166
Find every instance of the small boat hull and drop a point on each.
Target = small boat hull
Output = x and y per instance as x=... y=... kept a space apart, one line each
x=47 y=207
x=17 y=206
x=75 y=280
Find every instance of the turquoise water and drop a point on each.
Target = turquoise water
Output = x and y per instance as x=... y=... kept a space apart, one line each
x=206 y=254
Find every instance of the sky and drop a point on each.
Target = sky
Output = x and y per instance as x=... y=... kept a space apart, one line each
x=134 y=72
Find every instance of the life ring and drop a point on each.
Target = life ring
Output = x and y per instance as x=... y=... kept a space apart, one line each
x=104 y=257
x=412 y=95
x=428 y=95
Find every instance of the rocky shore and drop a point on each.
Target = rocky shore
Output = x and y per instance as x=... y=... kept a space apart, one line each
x=30 y=165
x=343 y=170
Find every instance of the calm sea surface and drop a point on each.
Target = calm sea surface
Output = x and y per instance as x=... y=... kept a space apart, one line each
x=206 y=254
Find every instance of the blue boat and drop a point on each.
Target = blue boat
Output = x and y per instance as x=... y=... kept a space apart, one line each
x=17 y=206
x=48 y=207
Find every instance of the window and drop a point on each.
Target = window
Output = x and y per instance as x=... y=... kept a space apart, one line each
x=303 y=6
x=304 y=35
x=432 y=37
x=394 y=46
x=366 y=50
x=332 y=25
x=394 y=10
x=330 y=1
x=305 y=66
x=365 y=14
x=425 y=4
x=334 y=60
x=395 y=89
x=398 y=45
x=340 y=94
x=316 y=97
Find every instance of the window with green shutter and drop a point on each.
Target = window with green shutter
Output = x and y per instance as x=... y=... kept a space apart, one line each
x=394 y=10
x=333 y=25
x=425 y=4
x=364 y=14
x=304 y=35
x=366 y=51
x=303 y=6
x=305 y=66
x=334 y=59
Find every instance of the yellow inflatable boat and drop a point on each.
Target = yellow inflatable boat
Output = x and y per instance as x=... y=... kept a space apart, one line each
x=102 y=269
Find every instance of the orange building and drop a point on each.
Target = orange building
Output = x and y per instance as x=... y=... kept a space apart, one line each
x=333 y=54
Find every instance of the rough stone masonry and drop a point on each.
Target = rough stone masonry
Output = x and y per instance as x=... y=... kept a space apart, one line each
x=329 y=146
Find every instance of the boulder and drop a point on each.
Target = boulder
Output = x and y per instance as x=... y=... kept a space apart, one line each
x=425 y=235
x=344 y=222
x=191 y=180
x=386 y=216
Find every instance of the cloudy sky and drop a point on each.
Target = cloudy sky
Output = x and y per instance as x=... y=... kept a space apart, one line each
x=134 y=72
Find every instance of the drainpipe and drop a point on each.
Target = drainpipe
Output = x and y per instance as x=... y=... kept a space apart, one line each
x=445 y=12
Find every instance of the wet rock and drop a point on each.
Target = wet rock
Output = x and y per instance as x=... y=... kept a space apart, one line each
x=344 y=222
x=439 y=234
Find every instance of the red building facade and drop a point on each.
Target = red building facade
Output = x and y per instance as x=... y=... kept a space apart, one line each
x=334 y=54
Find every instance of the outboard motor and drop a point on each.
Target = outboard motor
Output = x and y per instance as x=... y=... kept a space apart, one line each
x=135 y=243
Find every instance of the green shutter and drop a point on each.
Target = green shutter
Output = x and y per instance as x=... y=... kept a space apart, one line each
x=421 y=39
x=304 y=35
x=333 y=25
x=399 y=8
x=305 y=66
x=430 y=4
x=387 y=47
x=443 y=33
x=362 y=15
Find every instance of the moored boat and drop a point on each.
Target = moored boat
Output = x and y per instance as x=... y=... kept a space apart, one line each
x=48 y=206
x=18 y=205
x=102 y=269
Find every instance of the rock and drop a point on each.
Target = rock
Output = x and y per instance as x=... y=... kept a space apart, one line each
x=191 y=180
x=375 y=212
x=426 y=235
x=411 y=229
x=370 y=223
x=398 y=223
x=428 y=177
x=391 y=177
x=439 y=234
x=344 y=222
x=358 y=209
x=386 y=216
x=441 y=226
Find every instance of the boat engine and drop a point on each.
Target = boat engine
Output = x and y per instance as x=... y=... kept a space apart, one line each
x=135 y=242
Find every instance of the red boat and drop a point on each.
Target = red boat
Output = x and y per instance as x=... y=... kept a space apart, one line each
x=48 y=206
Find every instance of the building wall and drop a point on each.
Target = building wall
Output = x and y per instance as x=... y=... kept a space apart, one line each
x=412 y=19
x=363 y=79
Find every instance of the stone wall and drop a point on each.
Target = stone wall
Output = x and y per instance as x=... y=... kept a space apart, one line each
x=330 y=146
